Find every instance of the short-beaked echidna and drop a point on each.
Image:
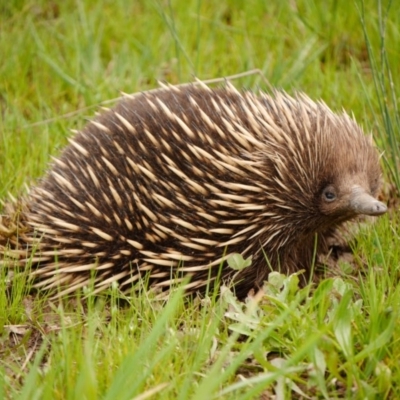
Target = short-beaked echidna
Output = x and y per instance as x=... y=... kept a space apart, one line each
x=171 y=183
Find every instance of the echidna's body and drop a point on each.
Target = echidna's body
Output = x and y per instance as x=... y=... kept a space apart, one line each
x=182 y=178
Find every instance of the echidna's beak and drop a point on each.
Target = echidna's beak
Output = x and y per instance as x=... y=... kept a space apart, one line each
x=363 y=203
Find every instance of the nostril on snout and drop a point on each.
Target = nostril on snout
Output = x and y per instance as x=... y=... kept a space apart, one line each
x=379 y=208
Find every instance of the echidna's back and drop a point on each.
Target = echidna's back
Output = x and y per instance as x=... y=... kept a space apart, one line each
x=139 y=189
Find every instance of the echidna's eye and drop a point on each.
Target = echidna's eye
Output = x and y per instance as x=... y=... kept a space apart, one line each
x=329 y=194
x=374 y=186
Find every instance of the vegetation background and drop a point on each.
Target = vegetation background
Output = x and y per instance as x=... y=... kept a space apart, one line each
x=340 y=339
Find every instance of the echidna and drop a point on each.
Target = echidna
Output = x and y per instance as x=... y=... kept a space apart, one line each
x=171 y=183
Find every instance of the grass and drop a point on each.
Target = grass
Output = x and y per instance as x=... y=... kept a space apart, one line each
x=337 y=339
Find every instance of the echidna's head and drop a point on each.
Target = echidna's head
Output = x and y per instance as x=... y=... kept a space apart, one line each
x=324 y=169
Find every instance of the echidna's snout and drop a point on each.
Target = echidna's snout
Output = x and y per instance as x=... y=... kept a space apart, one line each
x=363 y=203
